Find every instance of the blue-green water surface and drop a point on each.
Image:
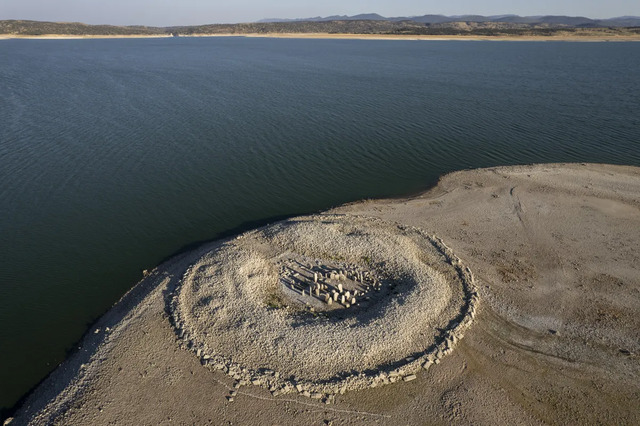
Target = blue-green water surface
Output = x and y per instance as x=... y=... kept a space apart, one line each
x=114 y=154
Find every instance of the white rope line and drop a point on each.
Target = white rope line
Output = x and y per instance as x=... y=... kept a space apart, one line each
x=321 y=408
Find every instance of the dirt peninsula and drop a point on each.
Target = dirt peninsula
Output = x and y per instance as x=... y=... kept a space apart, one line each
x=554 y=253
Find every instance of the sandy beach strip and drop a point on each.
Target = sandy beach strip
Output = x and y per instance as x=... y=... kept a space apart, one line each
x=586 y=38
x=553 y=249
x=78 y=37
x=571 y=38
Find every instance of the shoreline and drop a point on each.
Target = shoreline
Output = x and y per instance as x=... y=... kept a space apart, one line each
x=78 y=381
x=565 y=38
x=77 y=37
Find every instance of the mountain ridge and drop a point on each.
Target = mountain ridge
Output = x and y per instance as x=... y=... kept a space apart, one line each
x=23 y=28
x=560 y=20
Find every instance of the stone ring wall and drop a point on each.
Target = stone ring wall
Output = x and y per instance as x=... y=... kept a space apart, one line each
x=239 y=309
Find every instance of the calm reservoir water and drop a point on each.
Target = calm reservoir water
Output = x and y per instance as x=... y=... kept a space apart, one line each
x=114 y=154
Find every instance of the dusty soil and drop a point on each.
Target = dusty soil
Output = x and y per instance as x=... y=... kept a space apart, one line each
x=555 y=253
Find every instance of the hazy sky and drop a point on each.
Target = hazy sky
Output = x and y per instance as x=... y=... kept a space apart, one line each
x=185 y=12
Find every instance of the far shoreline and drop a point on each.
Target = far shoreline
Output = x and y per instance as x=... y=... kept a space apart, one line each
x=337 y=36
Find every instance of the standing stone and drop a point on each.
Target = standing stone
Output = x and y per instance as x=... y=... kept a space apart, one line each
x=315 y=277
x=340 y=288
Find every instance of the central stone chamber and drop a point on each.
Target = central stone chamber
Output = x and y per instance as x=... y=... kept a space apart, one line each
x=321 y=286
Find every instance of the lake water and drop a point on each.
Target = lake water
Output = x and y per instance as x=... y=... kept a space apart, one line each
x=114 y=154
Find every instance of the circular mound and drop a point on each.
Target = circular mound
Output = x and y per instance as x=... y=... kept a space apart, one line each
x=323 y=304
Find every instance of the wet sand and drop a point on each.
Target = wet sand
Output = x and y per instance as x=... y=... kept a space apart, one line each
x=554 y=253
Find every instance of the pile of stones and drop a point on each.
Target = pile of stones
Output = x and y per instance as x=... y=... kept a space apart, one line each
x=335 y=287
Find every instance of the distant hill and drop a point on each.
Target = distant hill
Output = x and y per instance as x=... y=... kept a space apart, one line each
x=437 y=26
x=19 y=27
x=622 y=21
x=564 y=21
x=361 y=17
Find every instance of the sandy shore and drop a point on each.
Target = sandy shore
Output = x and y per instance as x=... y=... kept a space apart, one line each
x=75 y=37
x=554 y=253
x=583 y=38
x=434 y=38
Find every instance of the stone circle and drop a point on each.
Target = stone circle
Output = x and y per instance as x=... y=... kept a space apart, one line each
x=324 y=304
